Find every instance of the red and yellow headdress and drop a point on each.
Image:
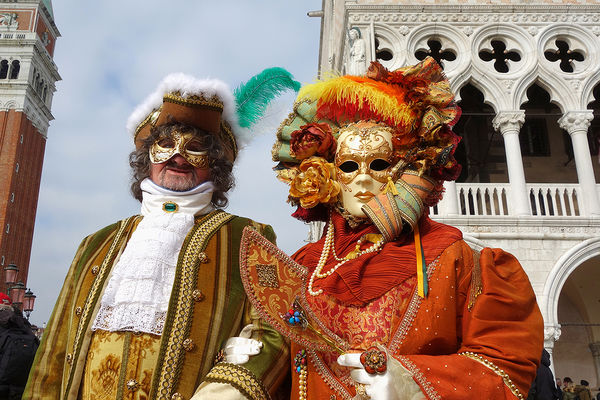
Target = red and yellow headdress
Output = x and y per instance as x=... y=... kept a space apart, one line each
x=415 y=101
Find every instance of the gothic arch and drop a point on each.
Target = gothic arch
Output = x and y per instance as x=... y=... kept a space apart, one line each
x=559 y=92
x=493 y=94
x=557 y=277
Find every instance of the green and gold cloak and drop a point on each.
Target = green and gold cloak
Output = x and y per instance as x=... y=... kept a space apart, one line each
x=207 y=305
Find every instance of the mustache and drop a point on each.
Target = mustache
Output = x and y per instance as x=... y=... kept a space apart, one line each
x=182 y=167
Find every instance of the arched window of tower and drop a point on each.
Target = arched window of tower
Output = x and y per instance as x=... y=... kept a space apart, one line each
x=436 y=52
x=501 y=55
x=3 y=69
x=565 y=55
x=14 y=69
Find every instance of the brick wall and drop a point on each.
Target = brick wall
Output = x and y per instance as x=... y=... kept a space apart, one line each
x=21 y=158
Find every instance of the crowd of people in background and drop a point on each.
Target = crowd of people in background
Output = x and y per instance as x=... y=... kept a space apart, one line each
x=570 y=391
x=545 y=387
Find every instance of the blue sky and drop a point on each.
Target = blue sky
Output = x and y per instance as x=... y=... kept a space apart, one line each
x=110 y=56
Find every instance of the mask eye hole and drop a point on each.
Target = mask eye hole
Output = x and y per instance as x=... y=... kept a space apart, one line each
x=166 y=142
x=195 y=146
x=379 y=165
x=348 y=166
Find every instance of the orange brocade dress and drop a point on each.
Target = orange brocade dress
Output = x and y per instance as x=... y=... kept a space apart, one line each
x=478 y=333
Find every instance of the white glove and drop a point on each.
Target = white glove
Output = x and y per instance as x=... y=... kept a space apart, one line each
x=377 y=386
x=238 y=349
x=396 y=383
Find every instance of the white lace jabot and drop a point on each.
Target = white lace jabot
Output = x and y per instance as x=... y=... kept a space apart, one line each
x=138 y=291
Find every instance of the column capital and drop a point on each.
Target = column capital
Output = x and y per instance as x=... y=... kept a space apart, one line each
x=506 y=121
x=551 y=335
x=576 y=121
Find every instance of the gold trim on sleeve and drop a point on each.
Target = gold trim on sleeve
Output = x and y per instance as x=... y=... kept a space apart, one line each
x=240 y=378
x=497 y=370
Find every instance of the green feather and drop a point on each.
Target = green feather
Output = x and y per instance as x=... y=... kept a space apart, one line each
x=253 y=97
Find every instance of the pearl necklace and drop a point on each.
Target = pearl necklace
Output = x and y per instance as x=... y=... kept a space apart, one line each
x=328 y=246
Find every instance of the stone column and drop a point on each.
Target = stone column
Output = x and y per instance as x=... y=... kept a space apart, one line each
x=595 y=348
x=449 y=204
x=551 y=335
x=509 y=123
x=576 y=123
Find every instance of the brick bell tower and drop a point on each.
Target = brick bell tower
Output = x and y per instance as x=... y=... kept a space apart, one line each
x=27 y=83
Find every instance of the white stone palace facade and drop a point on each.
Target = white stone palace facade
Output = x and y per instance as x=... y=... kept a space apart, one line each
x=527 y=76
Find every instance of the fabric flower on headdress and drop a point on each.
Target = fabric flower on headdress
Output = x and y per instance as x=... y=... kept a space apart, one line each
x=314 y=183
x=313 y=140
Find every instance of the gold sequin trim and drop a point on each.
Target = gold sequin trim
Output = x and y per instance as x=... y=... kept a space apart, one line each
x=240 y=378
x=325 y=373
x=411 y=312
x=177 y=329
x=476 y=282
x=497 y=370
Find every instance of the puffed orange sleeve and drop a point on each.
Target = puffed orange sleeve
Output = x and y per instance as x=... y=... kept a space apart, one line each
x=499 y=331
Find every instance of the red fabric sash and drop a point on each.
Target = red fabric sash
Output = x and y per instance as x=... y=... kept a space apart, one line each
x=368 y=277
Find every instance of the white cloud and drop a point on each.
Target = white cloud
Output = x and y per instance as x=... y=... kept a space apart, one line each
x=110 y=56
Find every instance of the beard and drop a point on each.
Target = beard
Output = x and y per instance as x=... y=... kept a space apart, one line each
x=178 y=183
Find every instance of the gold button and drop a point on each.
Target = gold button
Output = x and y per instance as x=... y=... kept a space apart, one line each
x=198 y=295
x=132 y=385
x=188 y=344
x=95 y=269
x=203 y=257
x=78 y=311
x=69 y=358
x=177 y=396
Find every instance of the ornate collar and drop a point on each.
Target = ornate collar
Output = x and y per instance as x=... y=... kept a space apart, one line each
x=195 y=201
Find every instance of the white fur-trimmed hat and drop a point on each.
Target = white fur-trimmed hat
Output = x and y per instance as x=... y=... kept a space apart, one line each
x=207 y=104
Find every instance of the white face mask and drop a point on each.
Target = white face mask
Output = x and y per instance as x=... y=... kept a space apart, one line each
x=363 y=160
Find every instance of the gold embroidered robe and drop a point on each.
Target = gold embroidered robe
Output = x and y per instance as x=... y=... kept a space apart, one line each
x=207 y=306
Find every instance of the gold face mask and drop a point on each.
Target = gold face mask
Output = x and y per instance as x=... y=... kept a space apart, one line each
x=363 y=161
x=188 y=145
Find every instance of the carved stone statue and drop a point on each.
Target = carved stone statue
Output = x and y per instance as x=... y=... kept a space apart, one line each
x=9 y=19
x=357 y=60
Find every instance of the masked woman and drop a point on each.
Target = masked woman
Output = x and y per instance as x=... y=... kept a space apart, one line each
x=414 y=311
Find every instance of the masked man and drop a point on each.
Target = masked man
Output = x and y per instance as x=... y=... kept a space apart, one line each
x=149 y=301
x=388 y=304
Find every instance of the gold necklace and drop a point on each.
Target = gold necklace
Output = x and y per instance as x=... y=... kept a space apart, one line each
x=329 y=245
